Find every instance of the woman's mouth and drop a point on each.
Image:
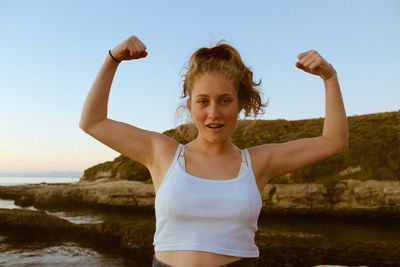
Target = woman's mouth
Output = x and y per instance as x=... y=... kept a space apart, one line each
x=215 y=125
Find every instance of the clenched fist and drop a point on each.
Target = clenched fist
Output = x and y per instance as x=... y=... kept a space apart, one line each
x=131 y=48
x=312 y=62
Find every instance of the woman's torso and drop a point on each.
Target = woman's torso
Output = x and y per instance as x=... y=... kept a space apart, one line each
x=195 y=167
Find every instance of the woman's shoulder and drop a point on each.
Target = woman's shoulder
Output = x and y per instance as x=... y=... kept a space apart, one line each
x=260 y=157
x=167 y=146
x=259 y=150
x=163 y=157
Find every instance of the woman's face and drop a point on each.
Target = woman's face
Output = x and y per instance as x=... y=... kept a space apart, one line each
x=214 y=106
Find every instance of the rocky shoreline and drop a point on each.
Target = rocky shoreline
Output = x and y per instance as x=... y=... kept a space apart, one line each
x=346 y=199
x=135 y=241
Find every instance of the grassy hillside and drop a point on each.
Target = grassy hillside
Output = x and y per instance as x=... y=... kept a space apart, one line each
x=374 y=151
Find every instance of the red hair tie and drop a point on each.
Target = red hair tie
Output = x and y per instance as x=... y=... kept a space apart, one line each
x=218 y=52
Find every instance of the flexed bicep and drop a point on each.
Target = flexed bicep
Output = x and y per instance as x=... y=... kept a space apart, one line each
x=133 y=142
x=294 y=155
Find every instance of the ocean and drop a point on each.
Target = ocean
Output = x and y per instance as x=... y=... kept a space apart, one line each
x=8 y=180
x=16 y=252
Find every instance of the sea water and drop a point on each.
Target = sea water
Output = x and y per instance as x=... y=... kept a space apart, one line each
x=42 y=253
x=8 y=180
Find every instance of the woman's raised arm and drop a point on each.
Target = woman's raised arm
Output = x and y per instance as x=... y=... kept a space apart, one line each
x=131 y=141
x=280 y=158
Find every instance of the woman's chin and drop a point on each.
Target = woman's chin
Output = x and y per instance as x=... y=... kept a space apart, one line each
x=216 y=139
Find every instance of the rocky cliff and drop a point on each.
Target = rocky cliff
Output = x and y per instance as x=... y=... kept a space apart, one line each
x=374 y=150
x=341 y=198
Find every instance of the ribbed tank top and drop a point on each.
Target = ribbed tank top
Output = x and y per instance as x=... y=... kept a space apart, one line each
x=194 y=213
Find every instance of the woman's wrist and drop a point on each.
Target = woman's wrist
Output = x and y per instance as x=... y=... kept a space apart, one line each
x=333 y=79
x=332 y=74
x=113 y=57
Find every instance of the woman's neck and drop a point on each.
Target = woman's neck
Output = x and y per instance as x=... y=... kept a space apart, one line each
x=206 y=147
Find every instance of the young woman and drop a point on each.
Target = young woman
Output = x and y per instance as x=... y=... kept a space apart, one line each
x=208 y=191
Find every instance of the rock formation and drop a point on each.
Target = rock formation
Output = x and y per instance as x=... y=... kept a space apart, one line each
x=135 y=241
x=345 y=197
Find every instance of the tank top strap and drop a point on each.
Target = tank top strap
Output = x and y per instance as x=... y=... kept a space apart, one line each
x=177 y=155
x=179 y=151
x=243 y=164
x=172 y=165
x=244 y=158
x=248 y=158
x=181 y=156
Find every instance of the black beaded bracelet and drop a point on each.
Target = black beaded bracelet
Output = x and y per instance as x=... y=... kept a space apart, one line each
x=109 y=51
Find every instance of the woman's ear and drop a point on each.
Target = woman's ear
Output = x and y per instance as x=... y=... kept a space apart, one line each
x=188 y=105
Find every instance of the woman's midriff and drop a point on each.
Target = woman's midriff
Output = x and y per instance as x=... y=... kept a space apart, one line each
x=194 y=258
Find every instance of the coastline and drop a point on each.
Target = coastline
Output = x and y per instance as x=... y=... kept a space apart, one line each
x=134 y=239
x=24 y=180
x=345 y=198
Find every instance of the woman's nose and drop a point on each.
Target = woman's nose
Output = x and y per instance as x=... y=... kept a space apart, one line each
x=214 y=111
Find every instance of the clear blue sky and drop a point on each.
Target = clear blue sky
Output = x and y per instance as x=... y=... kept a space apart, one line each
x=51 y=51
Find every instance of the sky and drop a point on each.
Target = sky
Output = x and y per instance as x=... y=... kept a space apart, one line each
x=51 y=51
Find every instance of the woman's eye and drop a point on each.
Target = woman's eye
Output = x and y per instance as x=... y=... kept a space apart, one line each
x=202 y=102
x=225 y=101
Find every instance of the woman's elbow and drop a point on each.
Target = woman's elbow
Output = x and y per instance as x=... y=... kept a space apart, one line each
x=342 y=148
x=83 y=126
x=337 y=148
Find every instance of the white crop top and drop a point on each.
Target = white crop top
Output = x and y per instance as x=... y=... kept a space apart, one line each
x=218 y=216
